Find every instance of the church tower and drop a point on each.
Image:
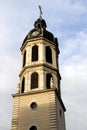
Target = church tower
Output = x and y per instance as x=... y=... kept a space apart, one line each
x=38 y=104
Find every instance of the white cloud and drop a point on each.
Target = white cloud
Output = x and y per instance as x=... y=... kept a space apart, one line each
x=74 y=49
x=73 y=68
x=74 y=92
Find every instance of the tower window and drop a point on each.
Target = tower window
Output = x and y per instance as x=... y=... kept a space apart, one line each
x=34 y=80
x=48 y=79
x=48 y=55
x=33 y=128
x=23 y=85
x=24 y=58
x=35 y=53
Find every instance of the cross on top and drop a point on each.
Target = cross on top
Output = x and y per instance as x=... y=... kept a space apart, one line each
x=41 y=13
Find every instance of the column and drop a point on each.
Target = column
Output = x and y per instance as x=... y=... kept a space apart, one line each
x=41 y=53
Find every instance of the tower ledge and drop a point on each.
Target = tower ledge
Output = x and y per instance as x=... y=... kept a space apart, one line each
x=41 y=91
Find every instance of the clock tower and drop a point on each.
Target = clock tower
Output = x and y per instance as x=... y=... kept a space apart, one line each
x=37 y=103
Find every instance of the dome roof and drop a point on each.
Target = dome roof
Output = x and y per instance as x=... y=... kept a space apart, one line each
x=39 y=30
x=48 y=35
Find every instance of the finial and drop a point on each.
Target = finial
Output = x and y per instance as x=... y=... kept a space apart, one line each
x=41 y=13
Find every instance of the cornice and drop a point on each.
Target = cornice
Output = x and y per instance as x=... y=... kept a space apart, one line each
x=41 y=91
x=36 y=39
x=39 y=65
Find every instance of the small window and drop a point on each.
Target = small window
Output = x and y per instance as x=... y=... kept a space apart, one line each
x=48 y=55
x=23 y=85
x=35 y=53
x=24 y=59
x=34 y=80
x=33 y=105
x=48 y=79
x=33 y=128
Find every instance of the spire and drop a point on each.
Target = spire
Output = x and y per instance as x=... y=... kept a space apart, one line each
x=41 y=13
x=40 y=22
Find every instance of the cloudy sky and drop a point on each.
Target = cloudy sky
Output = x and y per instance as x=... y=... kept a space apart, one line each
x=67 y=19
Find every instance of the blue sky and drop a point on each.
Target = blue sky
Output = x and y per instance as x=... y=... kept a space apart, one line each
x=67 y=19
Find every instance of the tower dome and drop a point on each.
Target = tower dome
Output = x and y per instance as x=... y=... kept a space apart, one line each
x=39 y=30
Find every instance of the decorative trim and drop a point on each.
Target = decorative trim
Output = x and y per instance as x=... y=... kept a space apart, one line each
x=14 y=124
x=38 y=65
x=41 y=91
x=34 y=39
x=52 y=112
x=33 y=92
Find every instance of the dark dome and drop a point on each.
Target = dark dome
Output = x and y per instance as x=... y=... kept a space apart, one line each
x=48 y=35
x=43 y=33
x=40 y=29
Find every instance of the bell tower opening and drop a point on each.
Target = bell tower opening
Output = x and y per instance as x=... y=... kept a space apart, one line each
x=48 y=54
x=34 y=80
x=23 y=85
x=48 y=80
x=24 y=58
x=35 y=53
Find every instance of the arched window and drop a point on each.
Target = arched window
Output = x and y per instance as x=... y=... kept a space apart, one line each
x=24 y=58
x=23 y=85
x=34 y=80
x=48 y=55
x=48 y=79
x=33 y=128
x=35 y=53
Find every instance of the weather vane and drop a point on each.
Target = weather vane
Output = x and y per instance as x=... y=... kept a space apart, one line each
x=41 y=13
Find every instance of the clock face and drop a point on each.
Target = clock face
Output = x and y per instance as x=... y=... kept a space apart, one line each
x=35 y=33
